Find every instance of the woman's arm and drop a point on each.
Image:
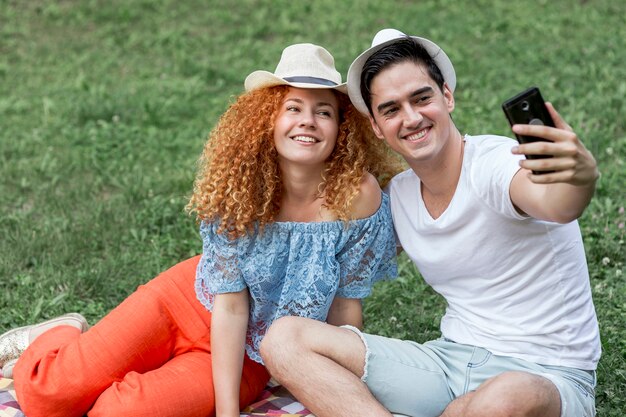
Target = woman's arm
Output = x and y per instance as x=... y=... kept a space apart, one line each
x=367 y=202
x=346 y=311
x=228 y=335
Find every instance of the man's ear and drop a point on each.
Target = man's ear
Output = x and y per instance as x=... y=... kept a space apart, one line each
x=449 y=97
x=375 y=127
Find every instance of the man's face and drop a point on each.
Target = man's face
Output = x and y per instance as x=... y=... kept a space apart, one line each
x=411 y=113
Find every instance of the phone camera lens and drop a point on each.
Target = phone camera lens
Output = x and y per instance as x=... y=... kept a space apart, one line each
x=525 y=105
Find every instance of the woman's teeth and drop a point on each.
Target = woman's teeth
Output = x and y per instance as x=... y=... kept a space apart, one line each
x=306 y=139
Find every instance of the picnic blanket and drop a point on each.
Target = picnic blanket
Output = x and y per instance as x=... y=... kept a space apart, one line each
x=274 y=401
x=8 y=403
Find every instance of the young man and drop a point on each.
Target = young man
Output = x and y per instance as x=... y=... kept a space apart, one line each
x=501 y=244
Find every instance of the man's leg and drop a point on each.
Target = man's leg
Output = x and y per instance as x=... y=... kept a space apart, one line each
x=321 y=365
x=509 y=394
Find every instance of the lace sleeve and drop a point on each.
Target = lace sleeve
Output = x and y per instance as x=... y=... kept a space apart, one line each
x=369 y=255
x=218 y=270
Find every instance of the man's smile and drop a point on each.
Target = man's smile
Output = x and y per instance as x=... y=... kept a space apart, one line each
x=416 y=136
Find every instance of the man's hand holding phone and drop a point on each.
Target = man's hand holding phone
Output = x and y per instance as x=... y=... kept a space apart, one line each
x=553 y=151
x=570 y=161
x=562 y=172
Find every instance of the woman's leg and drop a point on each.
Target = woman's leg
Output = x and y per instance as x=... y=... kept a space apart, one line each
x=183 y=387
x=63 y=373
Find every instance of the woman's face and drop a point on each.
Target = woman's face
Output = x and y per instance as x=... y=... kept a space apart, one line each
x=306 y=126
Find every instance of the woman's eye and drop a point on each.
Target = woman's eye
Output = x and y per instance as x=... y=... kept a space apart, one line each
x=292 y=108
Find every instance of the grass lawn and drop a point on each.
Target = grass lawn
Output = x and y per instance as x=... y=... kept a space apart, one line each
x=105 y=106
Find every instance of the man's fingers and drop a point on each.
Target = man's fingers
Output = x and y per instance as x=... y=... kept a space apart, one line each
x=566 y=148
x=559 y=122
x=545 y=132
x=548 y=164
x=561 y=132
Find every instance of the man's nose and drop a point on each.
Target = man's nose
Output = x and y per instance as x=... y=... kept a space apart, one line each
x=412 y=117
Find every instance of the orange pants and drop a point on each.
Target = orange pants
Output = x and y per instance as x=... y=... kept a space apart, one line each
x=150 y=356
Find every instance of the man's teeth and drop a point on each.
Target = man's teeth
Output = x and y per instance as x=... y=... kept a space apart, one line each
x=307 y=139
x=417 y=135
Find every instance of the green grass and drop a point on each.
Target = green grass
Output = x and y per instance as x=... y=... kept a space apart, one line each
x=105 y=106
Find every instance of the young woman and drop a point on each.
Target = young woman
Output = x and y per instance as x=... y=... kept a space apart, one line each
x=293 y=222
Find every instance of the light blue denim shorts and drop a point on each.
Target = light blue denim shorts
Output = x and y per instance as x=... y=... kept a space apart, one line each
x=420 y=380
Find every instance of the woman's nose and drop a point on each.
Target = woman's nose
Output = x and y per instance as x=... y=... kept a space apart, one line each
x=307 y=119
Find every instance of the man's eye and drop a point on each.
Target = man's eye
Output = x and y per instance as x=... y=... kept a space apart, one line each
x=390 y=111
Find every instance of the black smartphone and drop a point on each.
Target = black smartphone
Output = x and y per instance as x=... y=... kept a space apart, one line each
x=528 y=108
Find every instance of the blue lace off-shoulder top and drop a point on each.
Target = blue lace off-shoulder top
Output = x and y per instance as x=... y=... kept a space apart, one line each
x=296 y=269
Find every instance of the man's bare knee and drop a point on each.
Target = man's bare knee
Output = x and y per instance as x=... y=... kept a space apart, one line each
x=281 y=341
x=515 y=394
x=282 y=330
x=290 y=339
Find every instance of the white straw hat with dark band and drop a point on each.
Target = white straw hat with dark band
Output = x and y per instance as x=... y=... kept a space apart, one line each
x=386 y=37
x=302 y=65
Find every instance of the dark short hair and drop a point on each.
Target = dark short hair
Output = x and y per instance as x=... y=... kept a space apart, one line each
x=405 y=49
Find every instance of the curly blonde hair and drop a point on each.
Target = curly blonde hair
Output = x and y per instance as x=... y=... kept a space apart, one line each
x=239 y=182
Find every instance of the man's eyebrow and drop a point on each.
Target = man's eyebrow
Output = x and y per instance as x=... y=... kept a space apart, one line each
x=383 y=106
x=390 y=103
x=419 y=91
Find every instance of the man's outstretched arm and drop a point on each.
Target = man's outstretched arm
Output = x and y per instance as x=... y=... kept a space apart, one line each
x=560 y=196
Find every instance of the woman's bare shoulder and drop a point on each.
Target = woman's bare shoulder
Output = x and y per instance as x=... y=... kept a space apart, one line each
x=369 y=198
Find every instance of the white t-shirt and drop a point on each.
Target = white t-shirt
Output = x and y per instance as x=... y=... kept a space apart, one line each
x=514 y=285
